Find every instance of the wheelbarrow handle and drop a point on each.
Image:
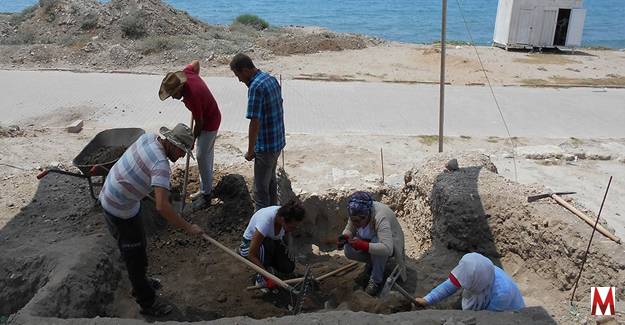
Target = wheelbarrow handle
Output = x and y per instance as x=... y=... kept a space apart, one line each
x=97 y=170
x=43 y=174
x=62 y=172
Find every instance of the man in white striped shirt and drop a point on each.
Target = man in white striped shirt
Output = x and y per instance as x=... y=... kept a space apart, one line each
x=144 y=167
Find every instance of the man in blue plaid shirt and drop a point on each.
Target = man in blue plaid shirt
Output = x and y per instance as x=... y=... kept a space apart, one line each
x=266 y=130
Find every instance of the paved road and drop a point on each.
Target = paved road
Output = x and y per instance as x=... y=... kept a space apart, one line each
x=327 y=107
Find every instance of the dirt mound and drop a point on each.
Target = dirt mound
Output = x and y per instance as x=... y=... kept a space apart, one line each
x=314 y=41
x=125 y=34
x=52 y=21
x=474 y=209
x=54 y=259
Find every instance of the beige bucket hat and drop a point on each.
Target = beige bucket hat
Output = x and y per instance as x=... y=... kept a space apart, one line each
x=171 y=84
x=181 y=136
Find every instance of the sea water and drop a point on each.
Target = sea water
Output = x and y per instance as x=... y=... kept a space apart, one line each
x=415 y=21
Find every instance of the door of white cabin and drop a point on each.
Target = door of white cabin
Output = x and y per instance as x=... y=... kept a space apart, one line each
x=576 y=28
x=524 y=26
x=548 y=27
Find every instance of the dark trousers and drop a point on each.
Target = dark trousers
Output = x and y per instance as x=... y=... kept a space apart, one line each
x=276 y=256
x=130 y=237
x=265 y=184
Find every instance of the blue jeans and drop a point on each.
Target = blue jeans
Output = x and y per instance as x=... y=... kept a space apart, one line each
x=376 y=262
x=205 y=158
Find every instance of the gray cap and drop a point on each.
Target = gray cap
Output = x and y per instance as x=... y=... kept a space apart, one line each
x=181 y=136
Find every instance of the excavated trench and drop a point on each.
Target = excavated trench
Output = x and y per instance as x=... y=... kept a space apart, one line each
x=443 y=214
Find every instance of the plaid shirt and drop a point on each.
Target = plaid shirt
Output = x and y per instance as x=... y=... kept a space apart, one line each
x=265 y=104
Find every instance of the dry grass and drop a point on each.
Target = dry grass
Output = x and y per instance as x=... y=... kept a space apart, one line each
x=429 y=140
x=546 y=59
x=576 y=142
x=493 y=139
x=608 y=80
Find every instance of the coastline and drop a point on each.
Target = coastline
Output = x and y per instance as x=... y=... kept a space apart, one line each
x=36 y=41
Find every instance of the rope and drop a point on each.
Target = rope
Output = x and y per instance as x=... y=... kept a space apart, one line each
x=505 y=124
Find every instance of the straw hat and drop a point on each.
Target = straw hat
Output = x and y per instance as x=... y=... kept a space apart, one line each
x=171 y=84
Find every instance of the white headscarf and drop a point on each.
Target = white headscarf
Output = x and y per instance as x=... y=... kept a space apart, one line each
x=476 y=275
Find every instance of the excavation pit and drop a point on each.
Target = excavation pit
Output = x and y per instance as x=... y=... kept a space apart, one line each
x=83 y=275
x=206 y=283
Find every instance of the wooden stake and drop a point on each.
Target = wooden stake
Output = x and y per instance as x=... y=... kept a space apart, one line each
x=282 y=158
x=186 y=177
x=382 y=159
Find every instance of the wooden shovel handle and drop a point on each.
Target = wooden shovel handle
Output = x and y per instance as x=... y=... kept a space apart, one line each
x=250 y=264
x=584 y=217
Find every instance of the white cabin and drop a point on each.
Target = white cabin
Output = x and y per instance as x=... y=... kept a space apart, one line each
x=539 y=23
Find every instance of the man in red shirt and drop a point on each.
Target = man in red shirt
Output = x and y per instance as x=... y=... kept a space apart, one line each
x=189 y=86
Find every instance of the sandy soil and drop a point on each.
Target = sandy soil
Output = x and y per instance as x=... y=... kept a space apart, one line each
x=57 y=259
x=54 y=36
x=409 y=63
x=413 y=63
x=174 y=257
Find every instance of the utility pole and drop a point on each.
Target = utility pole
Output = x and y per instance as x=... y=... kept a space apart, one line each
x=441 y=117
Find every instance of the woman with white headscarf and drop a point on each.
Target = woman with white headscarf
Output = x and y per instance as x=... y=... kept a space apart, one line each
x=485 y=286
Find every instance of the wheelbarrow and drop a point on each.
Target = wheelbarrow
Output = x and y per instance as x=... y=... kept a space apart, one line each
x=121 y=137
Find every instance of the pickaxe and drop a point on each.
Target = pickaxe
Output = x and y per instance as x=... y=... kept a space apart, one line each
x=581 y=215
x=546 y=195
x=391 y=282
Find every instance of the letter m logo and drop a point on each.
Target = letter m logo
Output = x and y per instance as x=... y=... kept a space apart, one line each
x=602 y=297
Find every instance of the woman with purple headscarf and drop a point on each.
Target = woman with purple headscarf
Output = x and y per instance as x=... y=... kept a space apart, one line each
x=485 y=286
x=372 y=235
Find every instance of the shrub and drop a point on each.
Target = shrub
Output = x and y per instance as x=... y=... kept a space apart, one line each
x=452 y=42
x=48 y=9
x=47 y=5
x=133 y=25
x=157 y=44
x=253 y=21
x=89 y=21
x=25 y=14
x=24 y=35
x=74 y=42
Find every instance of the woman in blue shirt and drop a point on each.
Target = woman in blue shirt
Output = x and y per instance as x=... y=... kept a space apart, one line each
x=485 y=286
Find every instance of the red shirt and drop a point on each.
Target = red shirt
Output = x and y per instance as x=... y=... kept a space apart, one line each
x=199 y=100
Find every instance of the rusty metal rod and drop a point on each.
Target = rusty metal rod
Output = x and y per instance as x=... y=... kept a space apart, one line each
x=581 y=269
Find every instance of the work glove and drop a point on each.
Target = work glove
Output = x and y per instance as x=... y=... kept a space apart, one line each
x=360 y=245
x=341 y=241
x=269 y=284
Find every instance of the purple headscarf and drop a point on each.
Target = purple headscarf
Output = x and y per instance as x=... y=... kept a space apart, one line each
x=360 y=204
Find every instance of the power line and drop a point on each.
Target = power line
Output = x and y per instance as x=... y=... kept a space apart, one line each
x=505 y=124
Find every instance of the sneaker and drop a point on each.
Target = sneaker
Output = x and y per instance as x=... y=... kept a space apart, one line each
x=158 y=309
x=195 y=195
x=155 y=283
x=202 y=202
x=260 y=282
x=373 y=288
